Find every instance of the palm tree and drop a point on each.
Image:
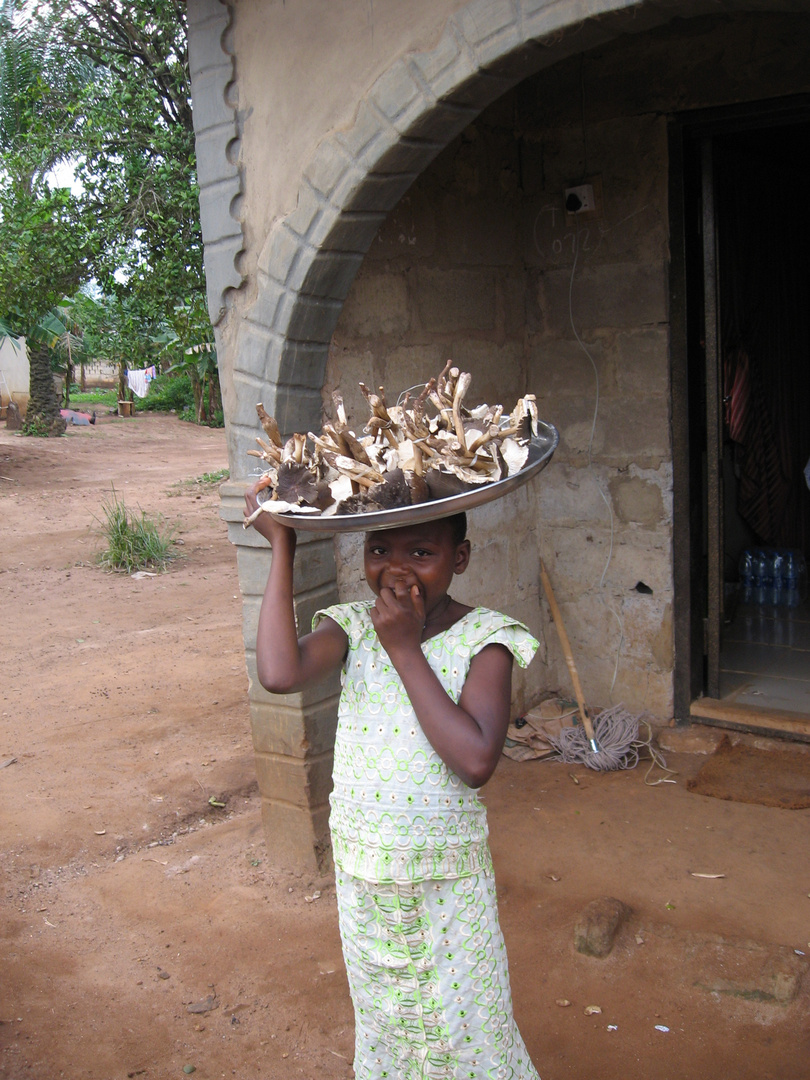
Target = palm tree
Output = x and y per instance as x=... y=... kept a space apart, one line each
x=41 y=252
x=40 y=77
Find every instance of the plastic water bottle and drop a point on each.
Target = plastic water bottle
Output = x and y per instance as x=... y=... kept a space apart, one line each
x=747 y=575
x=777 y=586
x=791 y=571
x=791 y=579
x=762 y=578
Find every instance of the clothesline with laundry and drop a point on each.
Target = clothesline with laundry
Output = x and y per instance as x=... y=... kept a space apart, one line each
x=138 y=380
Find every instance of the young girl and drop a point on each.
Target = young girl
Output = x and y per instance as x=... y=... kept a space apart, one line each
x=422 y=721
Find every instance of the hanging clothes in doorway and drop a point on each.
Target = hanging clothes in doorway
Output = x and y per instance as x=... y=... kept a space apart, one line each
x=763 y=235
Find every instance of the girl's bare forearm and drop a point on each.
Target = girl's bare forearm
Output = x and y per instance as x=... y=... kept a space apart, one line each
x=278 y=654
x=468 y=744
x=286 y=663
x=279 y=661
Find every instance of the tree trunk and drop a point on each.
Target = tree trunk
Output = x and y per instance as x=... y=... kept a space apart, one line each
x=69 y=374
x=199 y=400
x=43 y=402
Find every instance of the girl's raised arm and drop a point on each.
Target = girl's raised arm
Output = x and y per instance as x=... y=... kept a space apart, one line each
x=284 y=663
x=468 y=737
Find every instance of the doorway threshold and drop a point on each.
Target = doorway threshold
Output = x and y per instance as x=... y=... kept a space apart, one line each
x=756 y=719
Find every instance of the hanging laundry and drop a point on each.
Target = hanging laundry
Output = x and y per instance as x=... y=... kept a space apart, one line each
x=764 y=489
x=138 y=381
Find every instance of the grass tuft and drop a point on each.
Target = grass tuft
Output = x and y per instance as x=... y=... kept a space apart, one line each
x=96 y=396
x=134 y=541
x=36 y=427
x=212 y=477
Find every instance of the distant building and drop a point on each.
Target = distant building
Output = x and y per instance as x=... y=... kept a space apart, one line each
x=13 y=373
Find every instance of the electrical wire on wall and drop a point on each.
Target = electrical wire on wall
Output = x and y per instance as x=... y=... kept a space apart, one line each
x=620 y=743
x=605 y=499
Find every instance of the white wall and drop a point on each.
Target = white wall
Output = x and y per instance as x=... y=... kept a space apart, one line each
x=14 y=366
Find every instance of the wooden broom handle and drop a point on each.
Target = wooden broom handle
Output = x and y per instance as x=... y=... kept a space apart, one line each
x=565 y=644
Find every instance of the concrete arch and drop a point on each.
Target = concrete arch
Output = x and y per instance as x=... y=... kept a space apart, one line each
x=356 y=177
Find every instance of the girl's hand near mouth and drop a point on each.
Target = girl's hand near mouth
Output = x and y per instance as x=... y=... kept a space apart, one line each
x=398 y=617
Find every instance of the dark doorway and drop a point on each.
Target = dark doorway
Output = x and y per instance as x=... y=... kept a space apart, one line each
x=746 y=316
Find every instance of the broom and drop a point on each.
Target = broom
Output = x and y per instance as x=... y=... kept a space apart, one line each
x=612 y=741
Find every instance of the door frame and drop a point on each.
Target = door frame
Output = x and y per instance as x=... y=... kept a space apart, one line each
x=697 y=611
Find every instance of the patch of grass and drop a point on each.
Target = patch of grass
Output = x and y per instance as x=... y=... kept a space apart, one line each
x=212 y=477
x=207 y=480
x=36 y=427
x=99 y=396
x=134 y=541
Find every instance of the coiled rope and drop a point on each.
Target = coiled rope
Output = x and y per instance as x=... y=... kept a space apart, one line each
x=620 y=745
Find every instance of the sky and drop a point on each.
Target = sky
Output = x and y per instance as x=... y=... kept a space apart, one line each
x=62 y=176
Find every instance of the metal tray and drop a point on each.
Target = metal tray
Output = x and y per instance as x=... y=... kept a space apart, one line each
x=541 y=448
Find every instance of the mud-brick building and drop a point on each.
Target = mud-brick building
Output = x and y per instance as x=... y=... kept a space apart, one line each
x=384 y=185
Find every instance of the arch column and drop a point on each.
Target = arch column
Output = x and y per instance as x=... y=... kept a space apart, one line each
x=304 y=275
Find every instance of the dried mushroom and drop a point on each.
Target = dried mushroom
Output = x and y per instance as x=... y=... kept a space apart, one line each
x=428 y=447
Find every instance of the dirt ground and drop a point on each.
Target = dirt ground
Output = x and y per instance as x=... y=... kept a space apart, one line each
x=146 y=930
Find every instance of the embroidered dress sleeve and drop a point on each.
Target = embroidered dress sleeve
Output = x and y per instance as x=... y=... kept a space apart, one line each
x=484 y=627
x=517 y=638
x=353 y=618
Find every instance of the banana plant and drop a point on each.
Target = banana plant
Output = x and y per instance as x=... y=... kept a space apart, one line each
x=64 y=336
x=187 y=346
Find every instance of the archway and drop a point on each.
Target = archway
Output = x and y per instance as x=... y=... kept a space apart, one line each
x=277 y=353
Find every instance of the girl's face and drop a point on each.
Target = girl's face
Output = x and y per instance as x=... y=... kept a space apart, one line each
x=422 y=555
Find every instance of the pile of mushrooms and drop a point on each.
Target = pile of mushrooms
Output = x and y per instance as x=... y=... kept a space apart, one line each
x=424 y=448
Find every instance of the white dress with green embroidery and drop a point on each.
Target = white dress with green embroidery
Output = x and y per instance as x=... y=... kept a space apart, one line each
x=416 y=896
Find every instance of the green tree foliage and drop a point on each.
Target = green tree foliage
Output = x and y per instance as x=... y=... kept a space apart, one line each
x=45 y=251
x=41 y=76
x=45 y=247
x=193 y=355
x=135 y=156
x=105 y=85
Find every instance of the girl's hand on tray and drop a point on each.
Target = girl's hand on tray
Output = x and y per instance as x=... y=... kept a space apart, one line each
x=265 y=524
